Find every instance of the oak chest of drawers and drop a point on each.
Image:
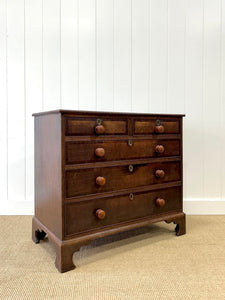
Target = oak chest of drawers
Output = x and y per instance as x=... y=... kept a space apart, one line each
x=100 y=173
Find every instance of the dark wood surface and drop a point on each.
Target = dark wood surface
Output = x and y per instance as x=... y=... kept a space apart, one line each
x=84 y=152
x=150 y=126
x=119 y=209
x=98 y=173
x=91 y=126
x=48 y=172
x=83 y=181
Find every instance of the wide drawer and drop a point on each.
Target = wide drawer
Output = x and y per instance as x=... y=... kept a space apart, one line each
x=156 y=126
x=106 y=179
x=81 y=152
x=85 y=215
x=95 y=126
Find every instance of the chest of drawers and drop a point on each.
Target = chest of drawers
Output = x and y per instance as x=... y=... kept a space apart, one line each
x=98 y=174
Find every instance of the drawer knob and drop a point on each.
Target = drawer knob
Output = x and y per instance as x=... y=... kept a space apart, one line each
x=99 y=129
x=100 y=180
x=100 y=152
x=100 y=214
x=159 y=149
x=159 y=173
x=160 y=202
x=159 y=129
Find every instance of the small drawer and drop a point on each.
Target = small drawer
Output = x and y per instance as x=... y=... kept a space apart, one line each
x=107 y=179
x=156 y=126
x=95 y=126
x=92 y=151
x=93 y=214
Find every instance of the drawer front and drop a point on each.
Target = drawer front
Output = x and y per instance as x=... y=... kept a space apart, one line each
x=85 y=215
x=106 y=179
x=81 y=152
x=156 y=126
x=95 y=126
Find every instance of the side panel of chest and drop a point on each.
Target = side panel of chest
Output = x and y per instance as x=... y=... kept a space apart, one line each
x=48 y=169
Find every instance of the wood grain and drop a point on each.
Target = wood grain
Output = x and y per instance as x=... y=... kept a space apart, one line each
x=90 y=127
x=119 y=209
x=149 y=127
x=83 y=181
x=48 y=175
x=84 y=152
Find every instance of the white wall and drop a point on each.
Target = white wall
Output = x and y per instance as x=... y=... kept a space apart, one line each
x=114 y=55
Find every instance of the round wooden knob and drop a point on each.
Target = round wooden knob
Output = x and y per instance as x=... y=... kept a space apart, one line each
x=100 y=214
x=160 y=202
x=100 y=152
x=159 y=129
x=99 y=129
x=159 y=173
x=100 y=180
x=159 y=149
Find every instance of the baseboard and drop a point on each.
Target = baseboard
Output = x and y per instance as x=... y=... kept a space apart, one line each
x=17 y=208
x=191 y=207
x=204 y=207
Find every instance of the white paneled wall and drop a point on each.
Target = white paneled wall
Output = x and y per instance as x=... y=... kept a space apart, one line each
x=114 y=55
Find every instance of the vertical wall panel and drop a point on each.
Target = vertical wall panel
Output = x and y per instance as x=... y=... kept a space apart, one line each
x=176 y=56
x=16 y=101
x=211 y=105
x=3 y=99
x=69 y=54
x=87 y=55
x=140 y=55
x=51 y=55
x=33 y=82
x=105 y=51
x=193 y=140
x=122 y=55
x=222 y=97
x=158 y=55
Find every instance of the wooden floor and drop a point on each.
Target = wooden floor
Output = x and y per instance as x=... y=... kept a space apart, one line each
x=148 y=263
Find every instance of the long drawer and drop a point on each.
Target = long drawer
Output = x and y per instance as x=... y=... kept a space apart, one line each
x=92 y=151
x=106 y=179
x=86 y=215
